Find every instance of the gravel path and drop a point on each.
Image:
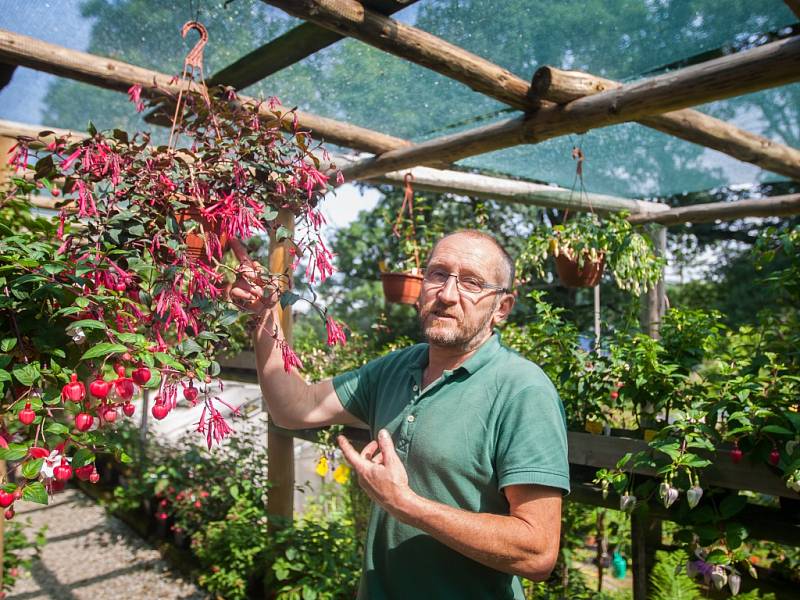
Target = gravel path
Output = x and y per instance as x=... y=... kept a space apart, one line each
x=91 y=555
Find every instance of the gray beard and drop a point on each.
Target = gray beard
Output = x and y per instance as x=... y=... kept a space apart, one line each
x=463 y=339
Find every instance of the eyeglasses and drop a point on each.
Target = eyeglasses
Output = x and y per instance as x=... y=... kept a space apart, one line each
x=470 y=285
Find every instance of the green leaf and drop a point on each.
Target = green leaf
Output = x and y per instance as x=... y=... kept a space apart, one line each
x=166 y=359
x=732 y=505
x=777 y=429
x=282 y=233
x=13 y=452
x=5 y=375
x=81 y=302
x=28 y=374
x=717 y=557
x=35 y=492
x=125 y=458
x=87 y=324
x=288 y=298
x=103 y=349
x=735 y=534
x=8 y=343
x=32 y=468
x=189 y=346
x=82 y=457
x=228 y=317
x=57 y=428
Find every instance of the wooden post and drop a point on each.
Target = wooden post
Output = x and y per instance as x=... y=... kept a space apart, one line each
x=280 y=448
x=645 y=529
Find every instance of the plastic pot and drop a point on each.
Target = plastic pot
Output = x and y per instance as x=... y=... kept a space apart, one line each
x=401 y=288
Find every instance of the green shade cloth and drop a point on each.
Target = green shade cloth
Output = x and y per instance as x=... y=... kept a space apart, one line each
x=494 y=421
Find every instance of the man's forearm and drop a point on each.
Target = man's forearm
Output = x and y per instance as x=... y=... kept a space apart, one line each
x=288 y=396
x=503 y=542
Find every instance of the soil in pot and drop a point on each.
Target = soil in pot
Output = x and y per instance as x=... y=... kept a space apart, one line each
x=573 y=276
x=402 y=288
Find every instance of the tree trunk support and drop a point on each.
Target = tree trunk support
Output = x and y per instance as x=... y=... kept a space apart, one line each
x=280 y=449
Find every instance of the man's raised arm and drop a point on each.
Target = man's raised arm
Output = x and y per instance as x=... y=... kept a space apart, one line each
x=291 y=401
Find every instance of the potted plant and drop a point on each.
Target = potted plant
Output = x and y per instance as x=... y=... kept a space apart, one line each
x=404 y=285
x=584 y=245
x=110 y=298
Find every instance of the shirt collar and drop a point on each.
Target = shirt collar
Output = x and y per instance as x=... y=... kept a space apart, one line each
x=484 y=354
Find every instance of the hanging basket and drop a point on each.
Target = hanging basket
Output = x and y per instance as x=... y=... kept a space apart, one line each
x=402 y=288
x=196 y=240
x=572 y=276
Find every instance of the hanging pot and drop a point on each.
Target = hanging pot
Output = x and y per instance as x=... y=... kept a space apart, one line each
x=402 y=288
x=586 y=276
x=196 y=239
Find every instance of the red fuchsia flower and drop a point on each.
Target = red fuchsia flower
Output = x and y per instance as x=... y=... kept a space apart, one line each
x=335 y=332
x=339 y=178
x=67 y=162
x=319 y=265
x=290 y=359
x=135 y=96
x=86 y=205
x=19 y=156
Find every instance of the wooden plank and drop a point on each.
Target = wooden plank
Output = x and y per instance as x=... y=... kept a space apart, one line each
x=773 y=64
x=776 y=206
x=761 y=522
x=116 y=75
x=603 y=452
x=561 y=87
x=293 y=46
x=347 y=17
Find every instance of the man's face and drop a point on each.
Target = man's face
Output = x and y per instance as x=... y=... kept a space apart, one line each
x=455 y=319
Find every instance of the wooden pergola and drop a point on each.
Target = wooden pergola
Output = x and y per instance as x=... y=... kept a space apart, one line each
x=553 y=103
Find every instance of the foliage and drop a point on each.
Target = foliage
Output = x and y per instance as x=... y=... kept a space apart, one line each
x=586 y=238
x=19 y=551
x=316 y=560
x=233 y=550
x=669 y=580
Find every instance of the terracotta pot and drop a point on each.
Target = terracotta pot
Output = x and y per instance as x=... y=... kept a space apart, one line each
x=196 y=241
x=587 y=276
x=402 y=288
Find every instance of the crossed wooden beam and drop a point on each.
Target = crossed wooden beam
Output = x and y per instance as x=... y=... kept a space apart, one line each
x=558 y=102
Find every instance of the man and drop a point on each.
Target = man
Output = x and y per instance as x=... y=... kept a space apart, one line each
x=469 y=461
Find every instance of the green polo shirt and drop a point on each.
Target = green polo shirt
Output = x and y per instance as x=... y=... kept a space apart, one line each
x=494 y=421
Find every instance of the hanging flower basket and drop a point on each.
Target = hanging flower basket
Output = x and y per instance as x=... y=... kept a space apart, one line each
x=575 y=276
x=402 y=288
x=198 y=240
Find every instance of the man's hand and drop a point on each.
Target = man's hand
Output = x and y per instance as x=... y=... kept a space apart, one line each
x=251 y=292
x=380 y=472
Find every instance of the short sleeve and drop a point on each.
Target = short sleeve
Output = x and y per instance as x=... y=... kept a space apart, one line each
x=531 y=439
x=352 y=388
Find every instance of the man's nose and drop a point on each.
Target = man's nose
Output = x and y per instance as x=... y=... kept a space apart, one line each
x=449 y=293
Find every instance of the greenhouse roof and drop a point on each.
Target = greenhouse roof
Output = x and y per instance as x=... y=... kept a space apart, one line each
x=350 y=81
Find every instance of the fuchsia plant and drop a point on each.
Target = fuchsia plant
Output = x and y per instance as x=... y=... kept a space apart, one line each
x=125 y=304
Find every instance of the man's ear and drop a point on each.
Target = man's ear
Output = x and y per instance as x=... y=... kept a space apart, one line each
x=503 y=309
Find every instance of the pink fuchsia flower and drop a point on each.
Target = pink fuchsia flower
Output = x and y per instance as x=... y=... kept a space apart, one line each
x=335 y=332
x=135 y=96
x=290 y=359
x=19 y=156
x=67 y=162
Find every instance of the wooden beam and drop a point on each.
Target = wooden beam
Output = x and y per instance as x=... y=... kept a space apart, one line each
x=776 y=206
x=116 y=75
x=293 y=46
x=351 y=18
x=514 y=191
x=773 y=64
x=561 y=87
x=345 y=17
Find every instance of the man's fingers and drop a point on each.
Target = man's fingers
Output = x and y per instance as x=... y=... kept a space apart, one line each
x=369 y=450
x=240 y=252
x=387 y=446
x=350 y=453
